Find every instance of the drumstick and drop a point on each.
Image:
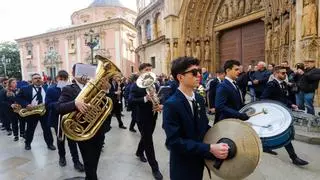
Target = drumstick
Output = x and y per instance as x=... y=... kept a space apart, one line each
x=264 y=111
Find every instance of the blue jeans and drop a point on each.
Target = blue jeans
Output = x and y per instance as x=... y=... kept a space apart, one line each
x=252 y=94
x=305 y=100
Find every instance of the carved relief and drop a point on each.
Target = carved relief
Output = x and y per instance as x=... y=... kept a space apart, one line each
x=276 y=35
x=310 y=48
x=293 y=23
x=188 y=49
x=309 y=18
x=198 y=50
x=268 y=39
x=207 y=51
x=285 y=30
x=233 y=9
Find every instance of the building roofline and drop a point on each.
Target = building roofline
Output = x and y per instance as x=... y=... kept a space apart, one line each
x=77 y=28
x=147 y=10
x=132 y=11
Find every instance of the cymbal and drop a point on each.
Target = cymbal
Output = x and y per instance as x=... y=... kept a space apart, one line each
x=246 y=151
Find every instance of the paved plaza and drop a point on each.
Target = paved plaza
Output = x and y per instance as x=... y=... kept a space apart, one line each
x=118 y=161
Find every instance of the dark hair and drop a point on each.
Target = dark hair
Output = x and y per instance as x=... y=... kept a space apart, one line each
x=181 y=64
x=35 y=74
x=273 y=65
x=220 y=71
x=3 y=79
x=63 y=74
x=144 y=65
x=278 y=68
x=229 y=64
x=285 y=62
x=300 y=66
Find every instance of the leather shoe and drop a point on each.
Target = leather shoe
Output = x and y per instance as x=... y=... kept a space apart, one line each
x=270 y=152
x=52 y=147
x=299 y=162
x=76 y=178
x=9 y=133
x=132 y=130
x=78 y=166
x=16 y=138
x=157 y=175
x=27 y=147
x=62 y=161
x=22 y=135
x=142 y=158
x=122 y=127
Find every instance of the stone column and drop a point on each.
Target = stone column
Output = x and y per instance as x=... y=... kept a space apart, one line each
x=143 y=34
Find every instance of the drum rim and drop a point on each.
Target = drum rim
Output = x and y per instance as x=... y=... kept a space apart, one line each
x=275 y=102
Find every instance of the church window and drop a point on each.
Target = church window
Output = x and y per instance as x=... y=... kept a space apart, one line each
x=148 y=31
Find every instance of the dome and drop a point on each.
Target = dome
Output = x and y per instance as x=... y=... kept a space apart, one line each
x=103 y=3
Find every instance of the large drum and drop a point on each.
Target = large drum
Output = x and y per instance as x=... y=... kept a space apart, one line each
x=272 y=121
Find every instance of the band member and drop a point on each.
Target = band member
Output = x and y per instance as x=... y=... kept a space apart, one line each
x=277 y=90
x=146 y=120
x=5 y=121
x=90 y=149
x=213 y=84
x=52 y=97
x=130 y=106
x=115 y=93
x=185 y=123
x=28 y=97
x=11 y=105
x=229 y=98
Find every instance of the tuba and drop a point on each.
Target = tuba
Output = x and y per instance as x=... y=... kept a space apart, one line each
x=81 y=127
x=147 y=81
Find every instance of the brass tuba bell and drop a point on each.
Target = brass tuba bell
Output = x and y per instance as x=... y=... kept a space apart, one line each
x=81 y=127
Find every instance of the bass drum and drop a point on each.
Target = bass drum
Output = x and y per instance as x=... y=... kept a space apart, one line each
x=274 y=126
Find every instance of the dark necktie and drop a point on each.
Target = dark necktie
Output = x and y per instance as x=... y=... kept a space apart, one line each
x=39 y=96
x=195 y=108
x=238 y=89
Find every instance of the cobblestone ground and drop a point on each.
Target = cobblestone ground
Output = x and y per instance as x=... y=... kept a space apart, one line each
x=118 y=161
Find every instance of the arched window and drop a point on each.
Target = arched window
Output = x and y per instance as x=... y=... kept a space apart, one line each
x=140 y=34
x=148 y=30
x=158 y=25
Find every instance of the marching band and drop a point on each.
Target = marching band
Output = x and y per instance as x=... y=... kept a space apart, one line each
x=81 y=111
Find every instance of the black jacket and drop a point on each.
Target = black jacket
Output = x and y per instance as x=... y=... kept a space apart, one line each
x=274 y=92
x=309 y=81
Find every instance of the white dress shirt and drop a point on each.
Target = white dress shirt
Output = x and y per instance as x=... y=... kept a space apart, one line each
x=190 y=99
x=34 y=101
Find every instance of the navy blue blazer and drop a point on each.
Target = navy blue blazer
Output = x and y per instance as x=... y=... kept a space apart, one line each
x=228 y=102
x=212 y=92
x=274 y=92
x=143 y=109
x=185 y=137
x=24 y=96
x=52 y=97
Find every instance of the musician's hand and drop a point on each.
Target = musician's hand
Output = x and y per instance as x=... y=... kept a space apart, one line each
x=300 y=71
x=148 y=97
x=158 y=108
x=220 y=150
x=255 y=81
x=212 y=110
x=81 y=106
x=29 y=107
x=13 y=106
x=294 y=107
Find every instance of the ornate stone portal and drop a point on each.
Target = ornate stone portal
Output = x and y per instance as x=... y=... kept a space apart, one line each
x=288 y=34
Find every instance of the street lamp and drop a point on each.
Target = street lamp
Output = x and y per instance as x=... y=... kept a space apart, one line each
x=92 y=40
x=5 y=61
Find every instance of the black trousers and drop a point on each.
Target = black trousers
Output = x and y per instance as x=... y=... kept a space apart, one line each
x=32 y=122
x=14 y=121
x=289 y=148
x=5 y=119
x=72 y=147
x=133 y=119
x=146 y=129
x=90 y=151
x=22 y=125
x=117 y=112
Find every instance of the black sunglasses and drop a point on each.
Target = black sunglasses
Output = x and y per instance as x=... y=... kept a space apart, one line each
x=193 y=71
x=283 y=73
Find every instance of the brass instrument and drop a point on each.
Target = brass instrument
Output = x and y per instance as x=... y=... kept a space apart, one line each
x=34 y=110
x=81 y=127
x=147 y=81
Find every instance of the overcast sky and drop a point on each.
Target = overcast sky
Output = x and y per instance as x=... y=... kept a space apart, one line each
x=22 y=18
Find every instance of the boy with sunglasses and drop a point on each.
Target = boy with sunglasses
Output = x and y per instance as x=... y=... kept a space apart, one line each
x=277 y=90
x=185 y=124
